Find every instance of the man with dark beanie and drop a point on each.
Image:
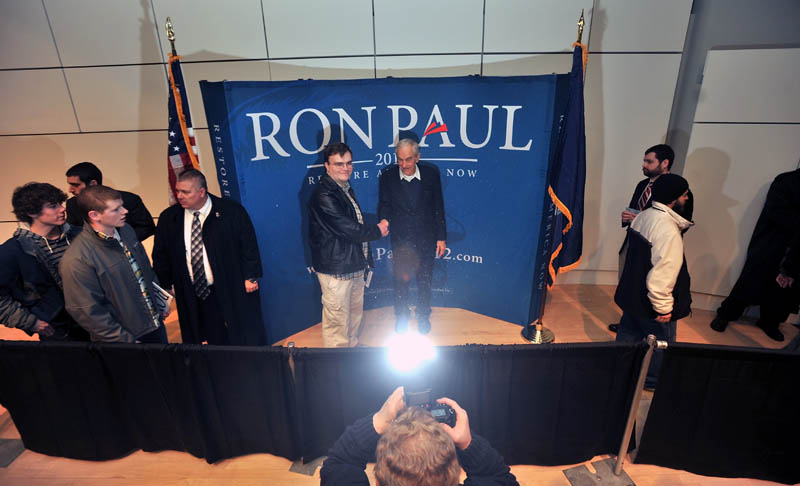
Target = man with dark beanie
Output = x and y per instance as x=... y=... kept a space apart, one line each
x=653 y=290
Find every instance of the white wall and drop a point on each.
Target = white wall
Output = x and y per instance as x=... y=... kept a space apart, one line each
x=746 y=131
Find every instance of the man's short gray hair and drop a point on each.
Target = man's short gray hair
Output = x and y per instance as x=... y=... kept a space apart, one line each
x=408 y=142
x=194 y=175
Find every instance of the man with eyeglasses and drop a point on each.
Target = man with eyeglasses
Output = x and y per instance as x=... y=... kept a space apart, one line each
x=340 y=253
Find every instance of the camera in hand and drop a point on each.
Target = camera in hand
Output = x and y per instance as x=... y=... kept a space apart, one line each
x=442 y=412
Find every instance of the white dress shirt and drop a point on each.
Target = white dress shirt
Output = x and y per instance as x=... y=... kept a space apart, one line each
x=416 y=175
x=188 y=216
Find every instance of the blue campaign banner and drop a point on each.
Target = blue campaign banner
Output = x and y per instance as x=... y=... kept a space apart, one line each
x=490 y=137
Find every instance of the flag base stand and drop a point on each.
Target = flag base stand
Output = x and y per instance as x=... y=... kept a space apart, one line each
x=537 y=334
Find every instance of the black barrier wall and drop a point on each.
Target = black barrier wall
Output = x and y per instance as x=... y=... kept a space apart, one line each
x=726 y=411
x=558 y=404
x=544 y=405
x=96 y=402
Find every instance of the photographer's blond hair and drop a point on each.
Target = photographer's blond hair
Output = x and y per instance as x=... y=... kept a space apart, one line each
x=416 y=451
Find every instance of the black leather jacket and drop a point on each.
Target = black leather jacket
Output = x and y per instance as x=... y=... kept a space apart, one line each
x=335 y=235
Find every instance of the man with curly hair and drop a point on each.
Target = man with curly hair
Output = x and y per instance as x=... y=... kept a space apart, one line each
x=410 y=448
x=31 y=290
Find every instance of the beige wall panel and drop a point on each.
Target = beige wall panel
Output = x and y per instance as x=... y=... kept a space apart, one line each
x=25 y=39
x=522 y=65
x=336 y=68
x=98 y=32
x=131 y=161
x=193 y=73
x=751 y=85
x=540 y=26
x=428 y=66
x=309 y=28
x=640 y=25
x=6 y=228
x=206 y=156
x=421 y=26
x=207 y=29
x=35 y=102
x=628 y=99
x=119 y=97
x=729 y=169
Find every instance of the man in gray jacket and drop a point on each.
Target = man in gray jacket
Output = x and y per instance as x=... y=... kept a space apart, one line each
x=108 y=281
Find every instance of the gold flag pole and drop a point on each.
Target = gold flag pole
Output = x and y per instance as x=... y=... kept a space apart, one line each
x=536 y=333
x=171 y=35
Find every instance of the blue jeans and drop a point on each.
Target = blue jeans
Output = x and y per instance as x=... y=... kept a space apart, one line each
x=633 y=329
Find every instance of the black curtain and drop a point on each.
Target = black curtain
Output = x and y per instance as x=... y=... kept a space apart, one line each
x=96 y=402
x=726 y=411
x=546 y=405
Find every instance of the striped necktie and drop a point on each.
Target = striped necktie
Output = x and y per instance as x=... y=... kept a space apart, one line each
x=645 y=197
x=198 y=269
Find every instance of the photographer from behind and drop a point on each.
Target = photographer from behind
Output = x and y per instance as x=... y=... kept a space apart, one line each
x=410 y=447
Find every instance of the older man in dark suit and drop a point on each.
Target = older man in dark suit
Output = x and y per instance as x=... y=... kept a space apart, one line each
x=411 y=200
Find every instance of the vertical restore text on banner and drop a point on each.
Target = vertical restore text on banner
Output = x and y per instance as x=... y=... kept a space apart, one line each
x=490 y=137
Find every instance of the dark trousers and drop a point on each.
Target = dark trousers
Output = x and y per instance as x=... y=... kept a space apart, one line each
x=775 y=303
x=66 y=330
x=633 y=329
x=211 y=321
x=159 y=336
x=409 y=259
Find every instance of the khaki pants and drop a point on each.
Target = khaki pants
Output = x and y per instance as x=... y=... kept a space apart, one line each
x=342 y=310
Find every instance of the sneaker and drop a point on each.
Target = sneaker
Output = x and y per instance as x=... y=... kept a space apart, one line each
x=613 y=328
x=719 y=324
x=772 y=332
x=401 y=326
x=423 y=325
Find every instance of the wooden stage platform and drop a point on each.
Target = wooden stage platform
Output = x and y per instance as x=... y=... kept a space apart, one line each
x=575 y=313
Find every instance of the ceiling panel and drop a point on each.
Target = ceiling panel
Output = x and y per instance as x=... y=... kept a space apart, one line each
x=119 y=97
x=419 y=26
x=639 y=26
x=100 y=32
x=25 y=36
x=540 y=26
x=35 y=102
x=237 y=29
x=308 y=28
x=750 y=85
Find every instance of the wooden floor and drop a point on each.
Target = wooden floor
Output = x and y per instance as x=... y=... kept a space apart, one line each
x=575 y=313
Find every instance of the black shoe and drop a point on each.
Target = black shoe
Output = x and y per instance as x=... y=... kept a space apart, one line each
x=423 y=325
x=719 y=324
x=613 y=328
x=772 y=332
x=401 y=326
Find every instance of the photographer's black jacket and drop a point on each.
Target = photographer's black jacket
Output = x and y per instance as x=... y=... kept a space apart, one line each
x=350 y=454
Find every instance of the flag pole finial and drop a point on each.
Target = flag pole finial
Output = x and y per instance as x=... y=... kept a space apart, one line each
x=580 y=27
x=171 y=35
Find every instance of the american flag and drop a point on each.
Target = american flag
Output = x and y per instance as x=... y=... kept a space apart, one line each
x=181 y=149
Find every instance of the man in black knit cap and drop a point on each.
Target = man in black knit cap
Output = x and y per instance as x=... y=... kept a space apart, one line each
x=653 y=290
